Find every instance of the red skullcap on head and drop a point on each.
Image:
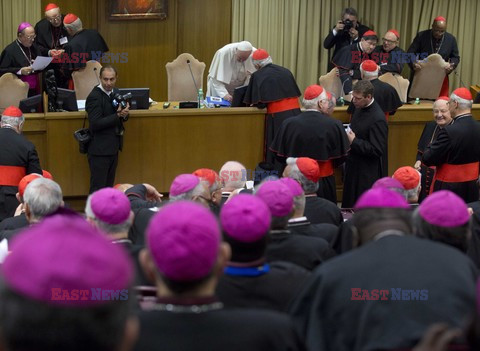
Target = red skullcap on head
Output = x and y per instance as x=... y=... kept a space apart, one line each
x=394 y=31
x=463 y=93
x=51 y=6
x=25 y=181
x=369 y=66
x=408 y=176
x=446 y=98
x=312 y=92
x=370 y=33
x=309 y=168
x=207 y=174
x=12 y=111
x=47 y=174
x=70 y=18
x=260 y=54
x=440 y=19
x=381 y=198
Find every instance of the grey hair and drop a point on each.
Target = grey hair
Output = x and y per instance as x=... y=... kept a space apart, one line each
x=189 y=195
x=104 y=226
x=234 y=175
x=463 y=104
x=280 y=222
x=313 y=103
x=43 y=197
x=299 y=202
x=308 y=186
x=263 y=62
x=75 y=26
x=12 y=121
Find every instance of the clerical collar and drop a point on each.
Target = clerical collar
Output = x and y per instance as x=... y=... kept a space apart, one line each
x=299 y=219
x=106 y=92
x=388 y=233
x=122 y=241
x=312 y=109
x=189 y=305
x=373 y=99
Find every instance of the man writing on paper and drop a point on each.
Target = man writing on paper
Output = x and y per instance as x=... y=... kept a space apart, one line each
x=231 y=67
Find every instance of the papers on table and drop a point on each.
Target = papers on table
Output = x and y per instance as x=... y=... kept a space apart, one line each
x=40 y=63
x=81 y=105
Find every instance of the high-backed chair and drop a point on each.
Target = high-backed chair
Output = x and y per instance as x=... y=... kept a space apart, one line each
x=398 y=82
x=331 y=81
x=12 y=90
x=427 y=82
x=180 y=83
x=86 y=79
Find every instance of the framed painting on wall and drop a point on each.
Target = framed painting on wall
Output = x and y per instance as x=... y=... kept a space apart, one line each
x=137 y=9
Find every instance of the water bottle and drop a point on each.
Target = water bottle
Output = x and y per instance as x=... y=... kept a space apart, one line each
x=200 y=97
x=417 y=101
x=341 y=101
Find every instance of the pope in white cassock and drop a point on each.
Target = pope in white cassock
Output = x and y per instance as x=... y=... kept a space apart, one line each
x=231 y=68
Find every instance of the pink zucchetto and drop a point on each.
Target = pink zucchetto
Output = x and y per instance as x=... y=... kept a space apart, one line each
x=293 y=185
x=277 y=196
x=184 y=239
x=381 y=198
x=65 y=253
x=444 y=209
x=110 y=205
x=183 y=183
x=245 y=218
x=22 y=26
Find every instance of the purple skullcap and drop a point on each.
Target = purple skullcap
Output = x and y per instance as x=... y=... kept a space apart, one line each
x=444 y=209
x=245 y=218
x=293 y=185
x=22 y=26
x=183 y=183
x=381 y=198
x=110 y=205
x=277 y=196
x=65 y=252
x=388 y=183
x=184 y=239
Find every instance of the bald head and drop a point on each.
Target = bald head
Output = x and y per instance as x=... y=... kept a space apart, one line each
x=439 y=27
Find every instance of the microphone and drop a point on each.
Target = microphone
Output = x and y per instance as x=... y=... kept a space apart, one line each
x=193 y=78
x=96 y=76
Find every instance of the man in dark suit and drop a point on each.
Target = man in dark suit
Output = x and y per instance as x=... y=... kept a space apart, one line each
x=106 y=128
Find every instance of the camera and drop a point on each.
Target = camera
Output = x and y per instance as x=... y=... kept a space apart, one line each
x=121 y=100
x=347 y=25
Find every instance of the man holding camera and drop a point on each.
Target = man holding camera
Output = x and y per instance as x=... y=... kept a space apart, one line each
x=107 y=110
x=346 y=32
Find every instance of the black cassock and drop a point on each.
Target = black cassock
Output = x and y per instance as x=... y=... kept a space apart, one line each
x=456 y=146
x=16 y=56
x=349 y=59
x=329 y=319
x=445 y=47
x=315 y=135
x=49 y=38
x=81 y=46
x=430 y=132
x=391 y=61
x=386 y=97
x=367 y=160
x=271 y=86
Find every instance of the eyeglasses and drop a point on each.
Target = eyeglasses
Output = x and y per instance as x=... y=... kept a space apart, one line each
x=30 y=37
x=388 y=41
x=54 y=19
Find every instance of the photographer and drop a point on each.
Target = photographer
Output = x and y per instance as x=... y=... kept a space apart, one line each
x=346 y=32
x=106 y=113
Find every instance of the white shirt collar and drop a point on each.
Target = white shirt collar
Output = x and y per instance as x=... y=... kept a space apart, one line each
x=106 y=92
